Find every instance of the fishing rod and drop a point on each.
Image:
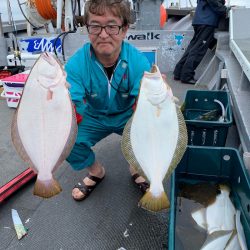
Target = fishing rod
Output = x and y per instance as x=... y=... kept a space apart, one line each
x=16 y=50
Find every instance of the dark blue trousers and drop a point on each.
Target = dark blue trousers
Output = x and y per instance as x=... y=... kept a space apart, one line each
x=197 y=48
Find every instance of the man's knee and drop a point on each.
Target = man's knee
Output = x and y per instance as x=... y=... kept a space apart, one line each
x=81 y=156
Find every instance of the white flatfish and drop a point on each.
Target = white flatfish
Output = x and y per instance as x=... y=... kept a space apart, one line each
x=44 y=126
x=155 y=138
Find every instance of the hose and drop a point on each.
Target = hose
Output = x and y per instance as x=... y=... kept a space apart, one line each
x=223 y=117
x=46 y=9
x=64 y=34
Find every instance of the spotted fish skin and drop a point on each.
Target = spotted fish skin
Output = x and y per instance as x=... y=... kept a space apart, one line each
x=155 y=138
x=44 y=126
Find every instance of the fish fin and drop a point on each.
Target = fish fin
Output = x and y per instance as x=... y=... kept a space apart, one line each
x=71 y=140
x=175 y=99
x=152 y=203
x=47 y=189
x=199 y=217
x=16 y=140
x=181 y=143
x=182 y=108
x=127 y=149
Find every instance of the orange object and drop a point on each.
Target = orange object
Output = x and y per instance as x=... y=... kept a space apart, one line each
x=45 y=9
x=163 y=16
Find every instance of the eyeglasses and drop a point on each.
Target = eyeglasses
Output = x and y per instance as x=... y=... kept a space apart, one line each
x=109 y=29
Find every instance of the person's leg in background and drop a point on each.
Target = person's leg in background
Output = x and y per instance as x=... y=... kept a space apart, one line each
x=204 y=38
x=181 y=62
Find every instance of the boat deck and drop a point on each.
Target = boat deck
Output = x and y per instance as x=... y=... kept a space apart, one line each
x=109 y=218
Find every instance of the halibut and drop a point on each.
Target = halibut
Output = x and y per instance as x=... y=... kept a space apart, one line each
x=44 y=125
x=155 y=138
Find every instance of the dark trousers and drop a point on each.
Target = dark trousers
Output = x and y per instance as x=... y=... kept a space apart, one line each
x=197 y=48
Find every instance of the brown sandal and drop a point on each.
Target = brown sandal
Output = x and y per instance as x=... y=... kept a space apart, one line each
x=142 y=185
x=87 y=189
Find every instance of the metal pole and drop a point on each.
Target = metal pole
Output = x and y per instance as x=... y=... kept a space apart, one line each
x=9 y=11
x=1 y=26
x=3 y=46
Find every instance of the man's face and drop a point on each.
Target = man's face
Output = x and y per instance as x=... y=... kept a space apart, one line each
x=106 y=46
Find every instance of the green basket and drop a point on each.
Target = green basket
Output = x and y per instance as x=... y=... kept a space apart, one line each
x=215 y=164
x=206 y=132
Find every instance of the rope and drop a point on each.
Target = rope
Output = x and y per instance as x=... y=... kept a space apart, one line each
x=45 y=9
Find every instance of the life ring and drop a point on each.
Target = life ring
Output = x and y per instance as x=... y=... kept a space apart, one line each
x=163 y=16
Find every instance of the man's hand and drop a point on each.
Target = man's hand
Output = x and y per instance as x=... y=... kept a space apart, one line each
x=78 y=116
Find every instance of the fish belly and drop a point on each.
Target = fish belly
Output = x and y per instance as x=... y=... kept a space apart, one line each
x=154 y=135
x=44 y=125
x=220 y=214
x=217 y=240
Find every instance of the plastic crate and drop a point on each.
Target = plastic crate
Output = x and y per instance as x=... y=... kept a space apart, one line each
x=215 y=164
x=201 y=132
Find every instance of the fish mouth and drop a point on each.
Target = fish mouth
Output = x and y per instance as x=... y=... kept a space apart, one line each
x=153 y=73
x=154 y=69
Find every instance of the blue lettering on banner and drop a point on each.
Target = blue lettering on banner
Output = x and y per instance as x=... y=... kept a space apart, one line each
x=34 y=45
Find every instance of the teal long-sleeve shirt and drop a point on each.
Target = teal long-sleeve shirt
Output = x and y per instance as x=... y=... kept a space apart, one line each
x=92 y=91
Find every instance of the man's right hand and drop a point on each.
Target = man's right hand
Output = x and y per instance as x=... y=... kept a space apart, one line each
x=78 y=116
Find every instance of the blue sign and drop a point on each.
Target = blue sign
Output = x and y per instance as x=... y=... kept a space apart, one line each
x=151 y=55
x=33 y=45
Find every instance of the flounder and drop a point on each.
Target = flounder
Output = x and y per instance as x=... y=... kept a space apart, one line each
x=155 y=138
x=44 y=125
x=222 y=222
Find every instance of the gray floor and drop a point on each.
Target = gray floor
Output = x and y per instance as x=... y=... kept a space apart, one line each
x=10 y=164
x=108 y=219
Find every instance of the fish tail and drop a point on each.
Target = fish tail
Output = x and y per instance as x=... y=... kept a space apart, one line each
x=152 y=203
x=47 y=189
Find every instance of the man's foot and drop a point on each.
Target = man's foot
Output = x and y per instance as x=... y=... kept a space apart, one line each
x=140 y=182
x=83 y=189
x=176 y=78
x=191 y=81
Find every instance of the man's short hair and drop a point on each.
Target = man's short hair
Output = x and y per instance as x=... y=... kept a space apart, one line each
x=119 y=8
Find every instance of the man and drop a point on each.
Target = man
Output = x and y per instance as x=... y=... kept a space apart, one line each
x=104 y=76
x=205 y=20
